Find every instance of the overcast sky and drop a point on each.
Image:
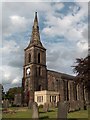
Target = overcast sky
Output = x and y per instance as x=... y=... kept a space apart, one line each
x=63 y=32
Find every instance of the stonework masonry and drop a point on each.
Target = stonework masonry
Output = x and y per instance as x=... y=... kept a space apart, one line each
x=36 y=77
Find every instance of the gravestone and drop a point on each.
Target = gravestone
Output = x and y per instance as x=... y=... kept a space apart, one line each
x=62 y=110
x=46 y=107
x=35 y=111
x=30 y=104
x=72 y=106
x=17 y=99
x=0 y=96
x=5 y=103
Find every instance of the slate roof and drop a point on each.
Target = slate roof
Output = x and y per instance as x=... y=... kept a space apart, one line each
x=59 y=74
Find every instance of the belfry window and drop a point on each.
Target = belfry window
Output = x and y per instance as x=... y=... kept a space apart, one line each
x=29 y=58
x=38 y=57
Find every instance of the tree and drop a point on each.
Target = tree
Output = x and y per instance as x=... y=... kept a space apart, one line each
x=82 y=70
x=2 y=91
x=12 y=91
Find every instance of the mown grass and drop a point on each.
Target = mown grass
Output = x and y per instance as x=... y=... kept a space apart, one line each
x=52 y=113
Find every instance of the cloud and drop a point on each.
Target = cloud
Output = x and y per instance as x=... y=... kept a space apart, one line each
x=15 y=81
x=82 y=45
x=18 y=23
x=9 y=46
x=23 y=0
x=45 y=1
x=58 y=6
x=61 y=58
x=63 y=30
x=9 y=74
x=68 y=26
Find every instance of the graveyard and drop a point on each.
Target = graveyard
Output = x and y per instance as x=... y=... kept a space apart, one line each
x=24 y=112
x=45 y=93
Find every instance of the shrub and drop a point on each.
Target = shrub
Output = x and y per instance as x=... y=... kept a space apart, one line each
x=40 y=106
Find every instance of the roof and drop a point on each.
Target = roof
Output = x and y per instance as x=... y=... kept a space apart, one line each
x=59 y=74
x=35 y=36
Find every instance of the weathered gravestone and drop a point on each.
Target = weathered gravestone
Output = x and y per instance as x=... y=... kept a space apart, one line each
x=17 y=100
x=62 y=110
x=0 y=96
x=0 y=101
x=30 y=104
x=46 y=107
x=5 y=103
x=35 y=110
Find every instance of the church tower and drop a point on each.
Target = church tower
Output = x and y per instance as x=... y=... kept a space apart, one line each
x=34 y=69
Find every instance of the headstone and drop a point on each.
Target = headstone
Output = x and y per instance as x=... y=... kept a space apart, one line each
x=82 y=104
x=46 y=107
x=62 y=110
x=30 y=104
x=17 y=100
x=72 y=106
x=35 y=111
x=0 y=104
x=5 y=103
x=0 y=96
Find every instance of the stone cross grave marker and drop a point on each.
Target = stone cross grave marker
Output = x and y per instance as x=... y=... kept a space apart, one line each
x=35 y=110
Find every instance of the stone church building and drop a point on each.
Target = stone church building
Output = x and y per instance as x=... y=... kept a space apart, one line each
x=36 y=77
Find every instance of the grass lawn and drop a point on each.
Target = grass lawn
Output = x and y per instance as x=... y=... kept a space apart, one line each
x=27 y=113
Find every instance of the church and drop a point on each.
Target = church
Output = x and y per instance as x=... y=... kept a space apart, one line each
x=39 y=81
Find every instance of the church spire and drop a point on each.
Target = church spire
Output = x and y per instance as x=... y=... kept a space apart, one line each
x=35 y=20
x=35 y=36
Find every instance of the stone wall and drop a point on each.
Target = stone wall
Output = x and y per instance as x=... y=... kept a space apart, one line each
x=59 y=82
x=68 y=89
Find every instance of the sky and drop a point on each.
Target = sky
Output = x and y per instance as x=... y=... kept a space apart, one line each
x=63 y=32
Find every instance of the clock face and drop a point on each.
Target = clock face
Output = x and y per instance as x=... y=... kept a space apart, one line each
x=28 y=71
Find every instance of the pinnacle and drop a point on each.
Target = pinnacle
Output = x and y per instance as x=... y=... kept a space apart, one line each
x=35 y=36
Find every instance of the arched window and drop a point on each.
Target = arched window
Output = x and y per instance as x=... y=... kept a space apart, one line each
x=29 y=58
x=38 y=57
x=65 y=90
x=75 y=91
x=57 y=84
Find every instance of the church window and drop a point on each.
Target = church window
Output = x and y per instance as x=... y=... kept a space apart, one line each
x=38 y=57
x=67 y=92
x=57 y=84
x=76 y=94
x=29 y=59
x=39 y=98
x=53 y=98
x=75 y=91
x=50 y=98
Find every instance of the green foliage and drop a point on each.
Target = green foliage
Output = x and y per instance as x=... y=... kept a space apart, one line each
x=82 y=69
x=27 y=113
x=12 y=91
x=40 y=106
x=3 y=93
